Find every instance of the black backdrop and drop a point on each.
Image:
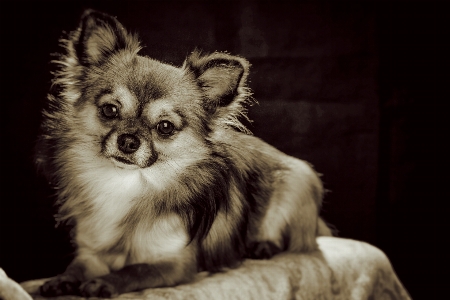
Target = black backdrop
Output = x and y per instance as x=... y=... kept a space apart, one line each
x=357 y=88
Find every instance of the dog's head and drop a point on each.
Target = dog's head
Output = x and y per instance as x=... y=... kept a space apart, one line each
x=135 y=111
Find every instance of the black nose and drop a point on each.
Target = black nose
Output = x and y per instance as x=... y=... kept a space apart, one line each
x=128 y=143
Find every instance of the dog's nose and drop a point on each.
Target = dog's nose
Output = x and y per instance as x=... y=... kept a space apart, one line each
x=128 y=143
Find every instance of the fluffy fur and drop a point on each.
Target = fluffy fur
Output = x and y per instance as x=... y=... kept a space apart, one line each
x=156 y=172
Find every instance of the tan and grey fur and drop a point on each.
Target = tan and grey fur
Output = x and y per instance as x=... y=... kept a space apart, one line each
x=156 y=172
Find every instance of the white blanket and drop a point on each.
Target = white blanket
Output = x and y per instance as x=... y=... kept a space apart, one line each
x=341 y=269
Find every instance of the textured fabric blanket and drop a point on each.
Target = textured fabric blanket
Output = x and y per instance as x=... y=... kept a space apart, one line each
x=341 y=269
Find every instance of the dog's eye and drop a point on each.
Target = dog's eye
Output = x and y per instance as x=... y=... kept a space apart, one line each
x=110 y=111
x=165 y=128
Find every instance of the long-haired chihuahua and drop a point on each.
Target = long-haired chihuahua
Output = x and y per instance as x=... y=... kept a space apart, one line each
x=156 y=172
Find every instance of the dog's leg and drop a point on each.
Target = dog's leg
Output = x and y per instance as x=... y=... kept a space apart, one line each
x=66 y=283
x=291 y=219
x=137 y=277
x=82 y=268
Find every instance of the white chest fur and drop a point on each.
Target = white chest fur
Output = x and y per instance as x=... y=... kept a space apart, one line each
x=164 y=240
x=111 y=198
x=161 y=241
x=110 y=195
x=103 y=232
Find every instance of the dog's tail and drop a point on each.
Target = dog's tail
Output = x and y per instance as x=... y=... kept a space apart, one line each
x=324 y=229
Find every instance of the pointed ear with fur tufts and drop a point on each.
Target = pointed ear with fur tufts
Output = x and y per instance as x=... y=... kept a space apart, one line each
x=222 y=77
x=100 y=35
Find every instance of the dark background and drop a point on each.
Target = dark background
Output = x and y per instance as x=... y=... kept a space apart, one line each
x=357 y=88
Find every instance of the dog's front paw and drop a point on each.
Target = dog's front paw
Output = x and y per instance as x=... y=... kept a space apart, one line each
x=60 y=285
x=98 y=287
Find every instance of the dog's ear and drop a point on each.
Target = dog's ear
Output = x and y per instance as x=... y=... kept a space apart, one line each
x=223 y=81
x=100 y=35
x=222 y=77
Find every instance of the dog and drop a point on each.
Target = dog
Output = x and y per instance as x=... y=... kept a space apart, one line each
x=156 y=172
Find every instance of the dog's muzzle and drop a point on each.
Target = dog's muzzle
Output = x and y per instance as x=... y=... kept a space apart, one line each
x=128 y=143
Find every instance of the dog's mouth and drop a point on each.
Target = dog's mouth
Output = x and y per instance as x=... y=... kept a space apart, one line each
x=124 y=163
x=131 y=163
x=123 y=160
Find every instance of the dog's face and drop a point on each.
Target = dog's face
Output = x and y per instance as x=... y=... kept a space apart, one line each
x=133 y=112
x=139 y=112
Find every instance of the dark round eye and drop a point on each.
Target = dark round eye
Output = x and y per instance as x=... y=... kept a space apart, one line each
x=110 y=111
x=165 y=128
